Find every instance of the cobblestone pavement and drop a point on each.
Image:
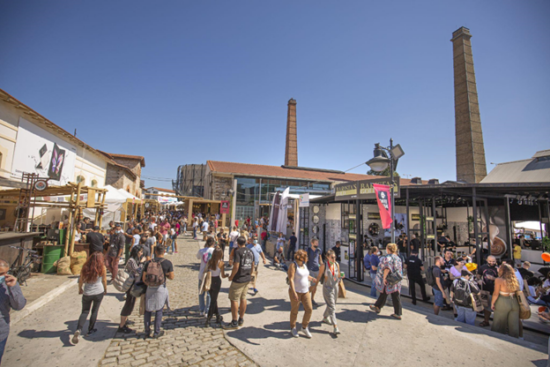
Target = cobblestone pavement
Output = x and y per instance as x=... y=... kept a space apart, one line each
x=187 y=342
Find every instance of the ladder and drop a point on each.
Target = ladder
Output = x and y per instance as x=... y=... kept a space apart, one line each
x=22 y=219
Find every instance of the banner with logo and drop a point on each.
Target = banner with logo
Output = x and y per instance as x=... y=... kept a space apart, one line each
x=304 y=200
x=224 y=207
x=384 y=204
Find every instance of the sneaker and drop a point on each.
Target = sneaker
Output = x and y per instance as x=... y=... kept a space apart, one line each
x=336 y=331
x=307 y=334
x=232 y=325
x=156 y=336
x=241 y=321
x=294 y=332
x=90 y=332
x=148 y=335
x=255 y=291
x=326 y=321
x=75 y=337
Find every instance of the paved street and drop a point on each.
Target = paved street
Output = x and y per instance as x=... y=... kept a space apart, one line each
x=264 y=340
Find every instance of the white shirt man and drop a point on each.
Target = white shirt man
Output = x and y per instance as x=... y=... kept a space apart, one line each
x=205 y=226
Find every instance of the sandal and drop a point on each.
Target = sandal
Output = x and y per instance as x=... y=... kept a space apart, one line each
x=484 y=324
x=374 y=308
x=396 y=316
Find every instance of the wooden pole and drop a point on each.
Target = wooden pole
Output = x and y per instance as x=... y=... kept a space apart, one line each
x=77 y=211
x=101 y=211
x=69 y=226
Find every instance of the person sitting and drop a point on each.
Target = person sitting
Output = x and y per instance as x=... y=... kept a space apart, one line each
x=279 y=259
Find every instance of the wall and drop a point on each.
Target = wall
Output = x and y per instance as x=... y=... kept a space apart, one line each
x=135 y=166
x=119 y=178
x=219 y=186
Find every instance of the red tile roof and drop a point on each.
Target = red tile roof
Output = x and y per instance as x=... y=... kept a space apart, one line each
x=289 y=173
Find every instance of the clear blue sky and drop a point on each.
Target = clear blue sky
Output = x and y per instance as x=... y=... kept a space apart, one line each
x=185 y=81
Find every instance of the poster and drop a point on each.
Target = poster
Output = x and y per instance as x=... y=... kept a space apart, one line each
x=224 y=207
x=38 y=151
x=384 y=204
x=304 y=200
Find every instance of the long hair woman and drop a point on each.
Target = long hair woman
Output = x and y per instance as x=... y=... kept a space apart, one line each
x=133 y=267
x=216 y=267
x=331 y=270
x=92 y=284
x=298 y=279
x=388 y=264
x=505 y=304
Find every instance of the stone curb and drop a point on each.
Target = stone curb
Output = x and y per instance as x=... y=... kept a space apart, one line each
x=41 y=301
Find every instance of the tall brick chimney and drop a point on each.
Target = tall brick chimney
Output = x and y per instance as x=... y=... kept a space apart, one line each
x=291 y=148
x=470 y=152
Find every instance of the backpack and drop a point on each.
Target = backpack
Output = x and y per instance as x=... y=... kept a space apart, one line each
x=430 y=279
x=462 y=293
x=155 y=274
x=366 y=262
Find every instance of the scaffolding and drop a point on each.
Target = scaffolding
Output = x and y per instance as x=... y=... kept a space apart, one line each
x=190 y=180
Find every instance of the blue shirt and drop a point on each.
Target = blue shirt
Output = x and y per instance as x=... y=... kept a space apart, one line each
x=374 y=261
x=11 y=298
x=256 y=250
x=313 y=259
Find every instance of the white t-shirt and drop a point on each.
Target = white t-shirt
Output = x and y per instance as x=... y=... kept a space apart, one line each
x=233 y=237
x=152 y=226
x=205 y=226
x=204 y=255
x=195 y=224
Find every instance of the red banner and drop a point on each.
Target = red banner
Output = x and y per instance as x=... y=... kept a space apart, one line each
x=224 y=207
x=384 y=204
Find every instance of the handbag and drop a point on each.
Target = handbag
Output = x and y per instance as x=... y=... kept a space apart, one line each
x=524 y=309
x=138 y=289
x=394 y=277
x=475 y=299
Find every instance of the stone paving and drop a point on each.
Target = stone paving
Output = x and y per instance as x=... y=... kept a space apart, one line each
x=187 y=342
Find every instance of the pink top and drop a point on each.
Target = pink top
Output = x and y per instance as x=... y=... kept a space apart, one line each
x=165 y=228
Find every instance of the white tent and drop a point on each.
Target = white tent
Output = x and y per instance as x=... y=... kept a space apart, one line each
x=532 y=225
x=113 y=201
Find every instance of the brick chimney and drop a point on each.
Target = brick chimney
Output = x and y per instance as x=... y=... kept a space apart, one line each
x=470 y=152
x=291 y=147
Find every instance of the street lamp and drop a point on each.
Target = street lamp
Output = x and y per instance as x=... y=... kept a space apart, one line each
x=379 y=163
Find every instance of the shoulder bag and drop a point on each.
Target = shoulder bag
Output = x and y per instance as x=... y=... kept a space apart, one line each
x=206 y=281
x=524 y=309
x=394 y=277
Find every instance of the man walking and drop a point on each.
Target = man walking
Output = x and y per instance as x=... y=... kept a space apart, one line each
x=414 y=268
x=292 y=241
x=204 y=230
x=438 y=290
x=257 y=250
x=336 y=250
x=222 y=241
x=114 y=253
x=240 y=277
x=488 y=273
x=11 y=297
x=313 y=261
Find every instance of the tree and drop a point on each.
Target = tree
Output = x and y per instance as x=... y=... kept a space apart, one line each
x=386 y=172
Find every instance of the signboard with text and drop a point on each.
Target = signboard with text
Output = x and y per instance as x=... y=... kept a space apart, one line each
x=224 y=207
x=364 y=189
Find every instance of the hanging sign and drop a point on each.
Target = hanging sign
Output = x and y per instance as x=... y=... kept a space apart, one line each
x=304 y=200
x=384 y=204
x=224 y=207
x=364 y=189
x=345 y=192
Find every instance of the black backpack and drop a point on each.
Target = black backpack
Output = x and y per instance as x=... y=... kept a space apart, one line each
x=462 y=293
x=430 y=278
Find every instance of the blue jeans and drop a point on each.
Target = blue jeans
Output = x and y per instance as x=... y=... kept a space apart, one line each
x=204 y=300
x=174 y=242
x=194 y=232
x=466 y=314
x=372 y=287
x=2 y=347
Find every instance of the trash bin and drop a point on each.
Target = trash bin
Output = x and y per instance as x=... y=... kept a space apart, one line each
x=51 y=255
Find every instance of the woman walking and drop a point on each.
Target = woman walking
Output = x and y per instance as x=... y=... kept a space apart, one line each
x=298 y=279
x=505 y=304
x=388 y=264
x=133 y=267
x=331 y=270
x=216 y=268
x=92 y=284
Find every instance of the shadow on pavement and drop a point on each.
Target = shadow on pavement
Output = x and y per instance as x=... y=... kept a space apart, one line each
x=258 y=305
x=105 y=330
x=246 y=333
x=194 y=267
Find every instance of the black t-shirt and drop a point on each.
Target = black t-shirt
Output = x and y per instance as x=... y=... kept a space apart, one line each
x=415 y=244
x=130 y=232
x=117 y=243
x=442 y=240
x=336 y=252
x=437 y=274
x=448 y=264
x=293 y=241
x=166 y=265
x=486 y=270
x=245 y=258
x=222 y=240
x=96 y=240
x=402 y=246
x=413 y=267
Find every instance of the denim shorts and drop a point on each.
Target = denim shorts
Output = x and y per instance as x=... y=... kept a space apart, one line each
x=438 y=301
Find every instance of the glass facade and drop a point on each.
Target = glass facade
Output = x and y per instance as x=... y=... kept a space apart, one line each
x=255 y=194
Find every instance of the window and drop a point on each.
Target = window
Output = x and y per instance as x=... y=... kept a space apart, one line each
x=94 y=183
x=80 y=179
x=128 y=188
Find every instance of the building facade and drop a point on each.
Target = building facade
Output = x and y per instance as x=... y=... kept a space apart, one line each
x=124 y=172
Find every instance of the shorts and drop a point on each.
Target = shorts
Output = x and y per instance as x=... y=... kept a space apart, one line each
x=439 y=300
x=313 y=274
x=237 y=291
